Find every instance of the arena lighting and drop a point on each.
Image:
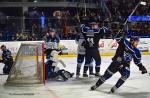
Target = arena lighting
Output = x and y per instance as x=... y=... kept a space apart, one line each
x=143 y=3
x=35 y=1
x=42 y=22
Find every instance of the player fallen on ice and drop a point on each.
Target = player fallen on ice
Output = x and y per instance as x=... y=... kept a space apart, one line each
x=92 y=34
x=52 y=51
x=53 y=71
x=126 y=51
x=7 y=59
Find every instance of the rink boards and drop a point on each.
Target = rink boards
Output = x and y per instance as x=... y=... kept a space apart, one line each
x=107 y=47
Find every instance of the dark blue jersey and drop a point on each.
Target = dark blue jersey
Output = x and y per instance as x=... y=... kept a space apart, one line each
x=125 y=52
x=52 y=43
x=6 y=56
x=92 y=36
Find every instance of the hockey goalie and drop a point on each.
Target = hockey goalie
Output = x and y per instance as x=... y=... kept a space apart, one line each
x=52 y=51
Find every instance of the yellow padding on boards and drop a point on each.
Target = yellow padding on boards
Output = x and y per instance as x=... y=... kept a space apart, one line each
x=103 y=55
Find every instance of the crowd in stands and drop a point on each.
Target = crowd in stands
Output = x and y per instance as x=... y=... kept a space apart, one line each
x=121 y=9
x=65 y=21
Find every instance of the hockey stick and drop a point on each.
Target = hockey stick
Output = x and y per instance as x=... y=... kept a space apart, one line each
x=64 y=65
x=124 y=24
x=3 y=74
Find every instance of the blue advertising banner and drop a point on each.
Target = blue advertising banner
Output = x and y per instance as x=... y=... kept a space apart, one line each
x=139 y=19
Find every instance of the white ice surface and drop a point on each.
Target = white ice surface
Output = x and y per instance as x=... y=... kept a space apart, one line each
x=137 y=86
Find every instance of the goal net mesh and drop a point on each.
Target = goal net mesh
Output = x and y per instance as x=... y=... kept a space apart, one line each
x=28 y=67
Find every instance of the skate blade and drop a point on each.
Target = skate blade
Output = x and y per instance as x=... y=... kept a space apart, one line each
x=110 y=92
x=78 y=78
x=91 y=76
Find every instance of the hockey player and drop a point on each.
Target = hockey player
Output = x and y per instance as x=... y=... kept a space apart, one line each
x=81 y=55
x=126 y=51
x=52 y=51
x=92 y=35
x=54 y=72
x=7 y=59
x=51 y=42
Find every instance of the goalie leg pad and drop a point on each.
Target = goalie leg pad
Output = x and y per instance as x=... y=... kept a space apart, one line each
x=64 y=74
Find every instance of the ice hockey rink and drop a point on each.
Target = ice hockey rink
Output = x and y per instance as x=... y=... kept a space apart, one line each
x=137 y=86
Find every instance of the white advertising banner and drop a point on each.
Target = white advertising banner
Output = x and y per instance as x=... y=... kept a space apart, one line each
x=70 y=47
x=14 y=46
x=105 y=46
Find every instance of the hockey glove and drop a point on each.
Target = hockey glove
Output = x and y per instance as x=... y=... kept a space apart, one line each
x=60 y=52
x=143 y=70
x=85 y=44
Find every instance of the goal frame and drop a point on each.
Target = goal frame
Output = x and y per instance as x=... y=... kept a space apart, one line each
x=41 y=44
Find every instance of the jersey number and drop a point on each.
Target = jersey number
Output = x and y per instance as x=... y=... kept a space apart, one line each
x=90 y=40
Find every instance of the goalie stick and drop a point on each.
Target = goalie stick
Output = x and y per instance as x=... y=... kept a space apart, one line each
x=3 y=74
x=64 y=65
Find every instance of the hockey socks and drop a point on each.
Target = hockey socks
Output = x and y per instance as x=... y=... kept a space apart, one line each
x=78 y=70
x=85 y=71
x=91 y=70
x=98 y=83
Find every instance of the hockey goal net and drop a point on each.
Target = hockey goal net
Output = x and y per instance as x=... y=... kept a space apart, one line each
x=28 y=68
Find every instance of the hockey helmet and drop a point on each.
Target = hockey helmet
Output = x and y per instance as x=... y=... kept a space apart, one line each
x=134 y=38
x=52 y=30
x=92 y=21
x=2 y=46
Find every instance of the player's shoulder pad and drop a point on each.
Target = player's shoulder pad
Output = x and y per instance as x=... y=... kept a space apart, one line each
x=82 y=25
x=128 y=45
x=97 y=30
x=84 y=29
x=7 y=50
x=105 y=29
x=57 y=39
x=120 y=41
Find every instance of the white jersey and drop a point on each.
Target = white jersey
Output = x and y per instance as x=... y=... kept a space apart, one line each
x=80 y=40
x=51 y=45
